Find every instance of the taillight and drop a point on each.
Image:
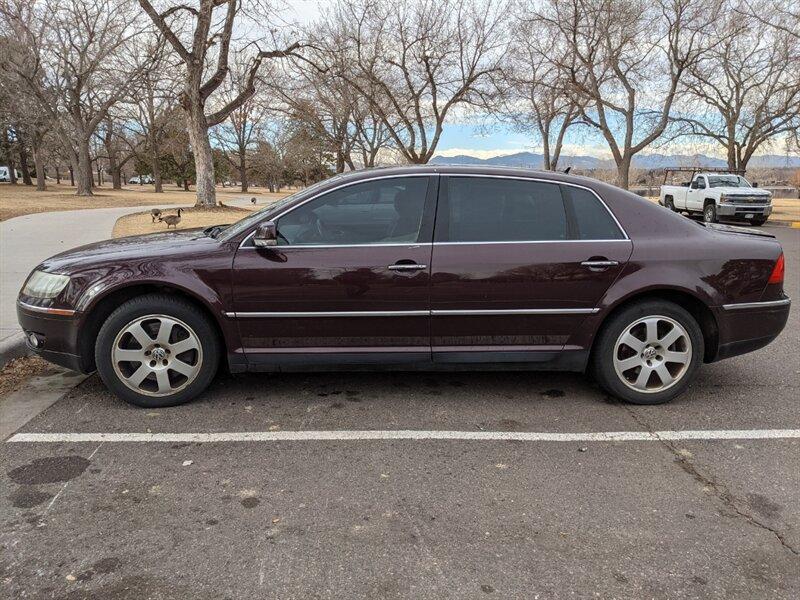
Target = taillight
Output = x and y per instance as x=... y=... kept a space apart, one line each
x=777 y=271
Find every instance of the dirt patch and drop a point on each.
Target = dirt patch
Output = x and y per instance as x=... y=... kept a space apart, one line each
x=142 y=222
x=18 y=200
x=19 y=370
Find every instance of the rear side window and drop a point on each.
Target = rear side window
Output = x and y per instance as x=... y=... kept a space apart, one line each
x=503 y=210
x=592 y=219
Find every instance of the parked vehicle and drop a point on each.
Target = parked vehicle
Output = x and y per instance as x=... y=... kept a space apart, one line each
x=419 y=268
x=4 y=174
x=718 y=195
x=141 y=180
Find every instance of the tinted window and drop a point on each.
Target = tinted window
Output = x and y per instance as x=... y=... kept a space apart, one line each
x=592 y=219
x=383 y=211
x=503 y=210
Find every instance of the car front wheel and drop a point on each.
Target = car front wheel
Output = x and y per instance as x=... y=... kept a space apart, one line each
x=710 y=213
x=648 y=353
x=156 y=351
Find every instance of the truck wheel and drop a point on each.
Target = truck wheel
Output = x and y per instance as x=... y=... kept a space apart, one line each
x=648 y=353
x=668 y=203
x=757 y=222
x=710 y=213
x=156 y=351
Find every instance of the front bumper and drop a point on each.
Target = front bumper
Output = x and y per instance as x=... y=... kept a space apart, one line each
x=56 y=333
x=750 y=326
x=742 y=210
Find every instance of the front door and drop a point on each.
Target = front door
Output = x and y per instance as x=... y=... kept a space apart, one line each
x=349 y=280
x=517 y=266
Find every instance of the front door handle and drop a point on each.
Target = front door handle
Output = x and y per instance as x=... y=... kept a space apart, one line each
x=407 y=267
x=599 y=264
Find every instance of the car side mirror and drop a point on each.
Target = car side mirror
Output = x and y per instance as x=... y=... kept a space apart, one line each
x=755 y=184
x=266 y=235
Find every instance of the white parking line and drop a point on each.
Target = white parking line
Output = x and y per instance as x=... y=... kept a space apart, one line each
x=410 y=434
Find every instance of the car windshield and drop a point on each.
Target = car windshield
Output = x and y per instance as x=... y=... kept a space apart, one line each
x=250 y=220
x=716 y=181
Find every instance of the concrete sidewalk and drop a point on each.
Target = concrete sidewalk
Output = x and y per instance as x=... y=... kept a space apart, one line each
x=28 y=240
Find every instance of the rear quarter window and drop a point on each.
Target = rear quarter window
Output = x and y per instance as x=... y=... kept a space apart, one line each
x=593 y=221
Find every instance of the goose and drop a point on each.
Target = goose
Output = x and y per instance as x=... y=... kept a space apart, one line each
x=155 y=214
x=171 y=219
x=253 y=199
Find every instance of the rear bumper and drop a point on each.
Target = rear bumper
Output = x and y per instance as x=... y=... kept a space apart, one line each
x=749 y=326
x=56 y=335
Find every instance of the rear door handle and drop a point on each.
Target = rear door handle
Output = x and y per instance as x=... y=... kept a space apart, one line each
x=407 y=267
x=599 y=264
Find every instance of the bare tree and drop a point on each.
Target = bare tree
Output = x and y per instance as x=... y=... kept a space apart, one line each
x=535 y=92
x=238 y=133
x=625 y=62
x=414 y=61
x=749 y=84
x=69 y=55
x=207 y=31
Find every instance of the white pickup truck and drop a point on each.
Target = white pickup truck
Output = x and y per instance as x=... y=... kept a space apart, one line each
x=718 y=195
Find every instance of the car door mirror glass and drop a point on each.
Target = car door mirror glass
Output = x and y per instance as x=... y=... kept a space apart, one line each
x=266 y=235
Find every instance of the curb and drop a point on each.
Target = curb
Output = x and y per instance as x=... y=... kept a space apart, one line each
x=12 y=347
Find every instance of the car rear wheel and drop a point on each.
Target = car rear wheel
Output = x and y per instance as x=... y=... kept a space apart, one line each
x=648 y=353
x=156 y=351
x=668 y=203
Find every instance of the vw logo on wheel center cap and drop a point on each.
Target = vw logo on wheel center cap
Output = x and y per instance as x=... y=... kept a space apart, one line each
x=159 y=354
x=649 y=353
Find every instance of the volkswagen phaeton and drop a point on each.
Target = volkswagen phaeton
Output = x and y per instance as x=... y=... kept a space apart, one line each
x=415 y=268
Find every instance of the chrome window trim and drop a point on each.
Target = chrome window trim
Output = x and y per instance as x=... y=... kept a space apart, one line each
x=627 y=241
x=412 y=313
x=515 y=177
x=767 y=304
x=554 y=182
x=333 y=189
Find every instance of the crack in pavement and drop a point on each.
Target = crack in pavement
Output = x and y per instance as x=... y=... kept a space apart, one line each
x=720 y=491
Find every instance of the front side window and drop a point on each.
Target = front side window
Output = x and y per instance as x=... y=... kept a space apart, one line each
x=487 y=209
x=382 y=211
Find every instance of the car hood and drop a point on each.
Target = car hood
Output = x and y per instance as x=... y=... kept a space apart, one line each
x=152 y=245
x=737 y=191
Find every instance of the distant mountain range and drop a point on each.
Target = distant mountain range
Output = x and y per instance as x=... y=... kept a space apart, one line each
x=531 y=160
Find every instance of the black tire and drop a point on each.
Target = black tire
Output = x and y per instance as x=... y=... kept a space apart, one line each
x=710 y=213
x=757 y=222
x=668 y=203
x=206 y=358
x=602 y=366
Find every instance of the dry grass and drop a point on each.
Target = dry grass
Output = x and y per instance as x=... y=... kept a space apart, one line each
x=18 y=371
x=140 y=223
x=17 y=200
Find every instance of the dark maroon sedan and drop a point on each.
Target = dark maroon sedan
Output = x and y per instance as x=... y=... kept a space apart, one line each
x=416 y=267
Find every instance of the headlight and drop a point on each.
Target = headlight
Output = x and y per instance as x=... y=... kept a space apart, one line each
x=44 y=285
x=723 y=198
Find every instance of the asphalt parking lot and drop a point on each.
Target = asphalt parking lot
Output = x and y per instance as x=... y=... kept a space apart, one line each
x=174 y=517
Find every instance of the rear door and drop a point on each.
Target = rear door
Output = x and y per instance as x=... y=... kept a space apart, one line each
x=517 y=266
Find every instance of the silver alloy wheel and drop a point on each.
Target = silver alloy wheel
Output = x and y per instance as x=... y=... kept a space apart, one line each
x=652 y=354
x=157 y=355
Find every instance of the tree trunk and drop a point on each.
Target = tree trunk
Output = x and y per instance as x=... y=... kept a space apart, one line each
x=72 y=176
x=23 y=164
x=84 y=169
x=624 y=172
x=38 y=164
x=116 y=170
x=203 y=157
x=156 y=166
x=58 y=174
x=243 y=169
